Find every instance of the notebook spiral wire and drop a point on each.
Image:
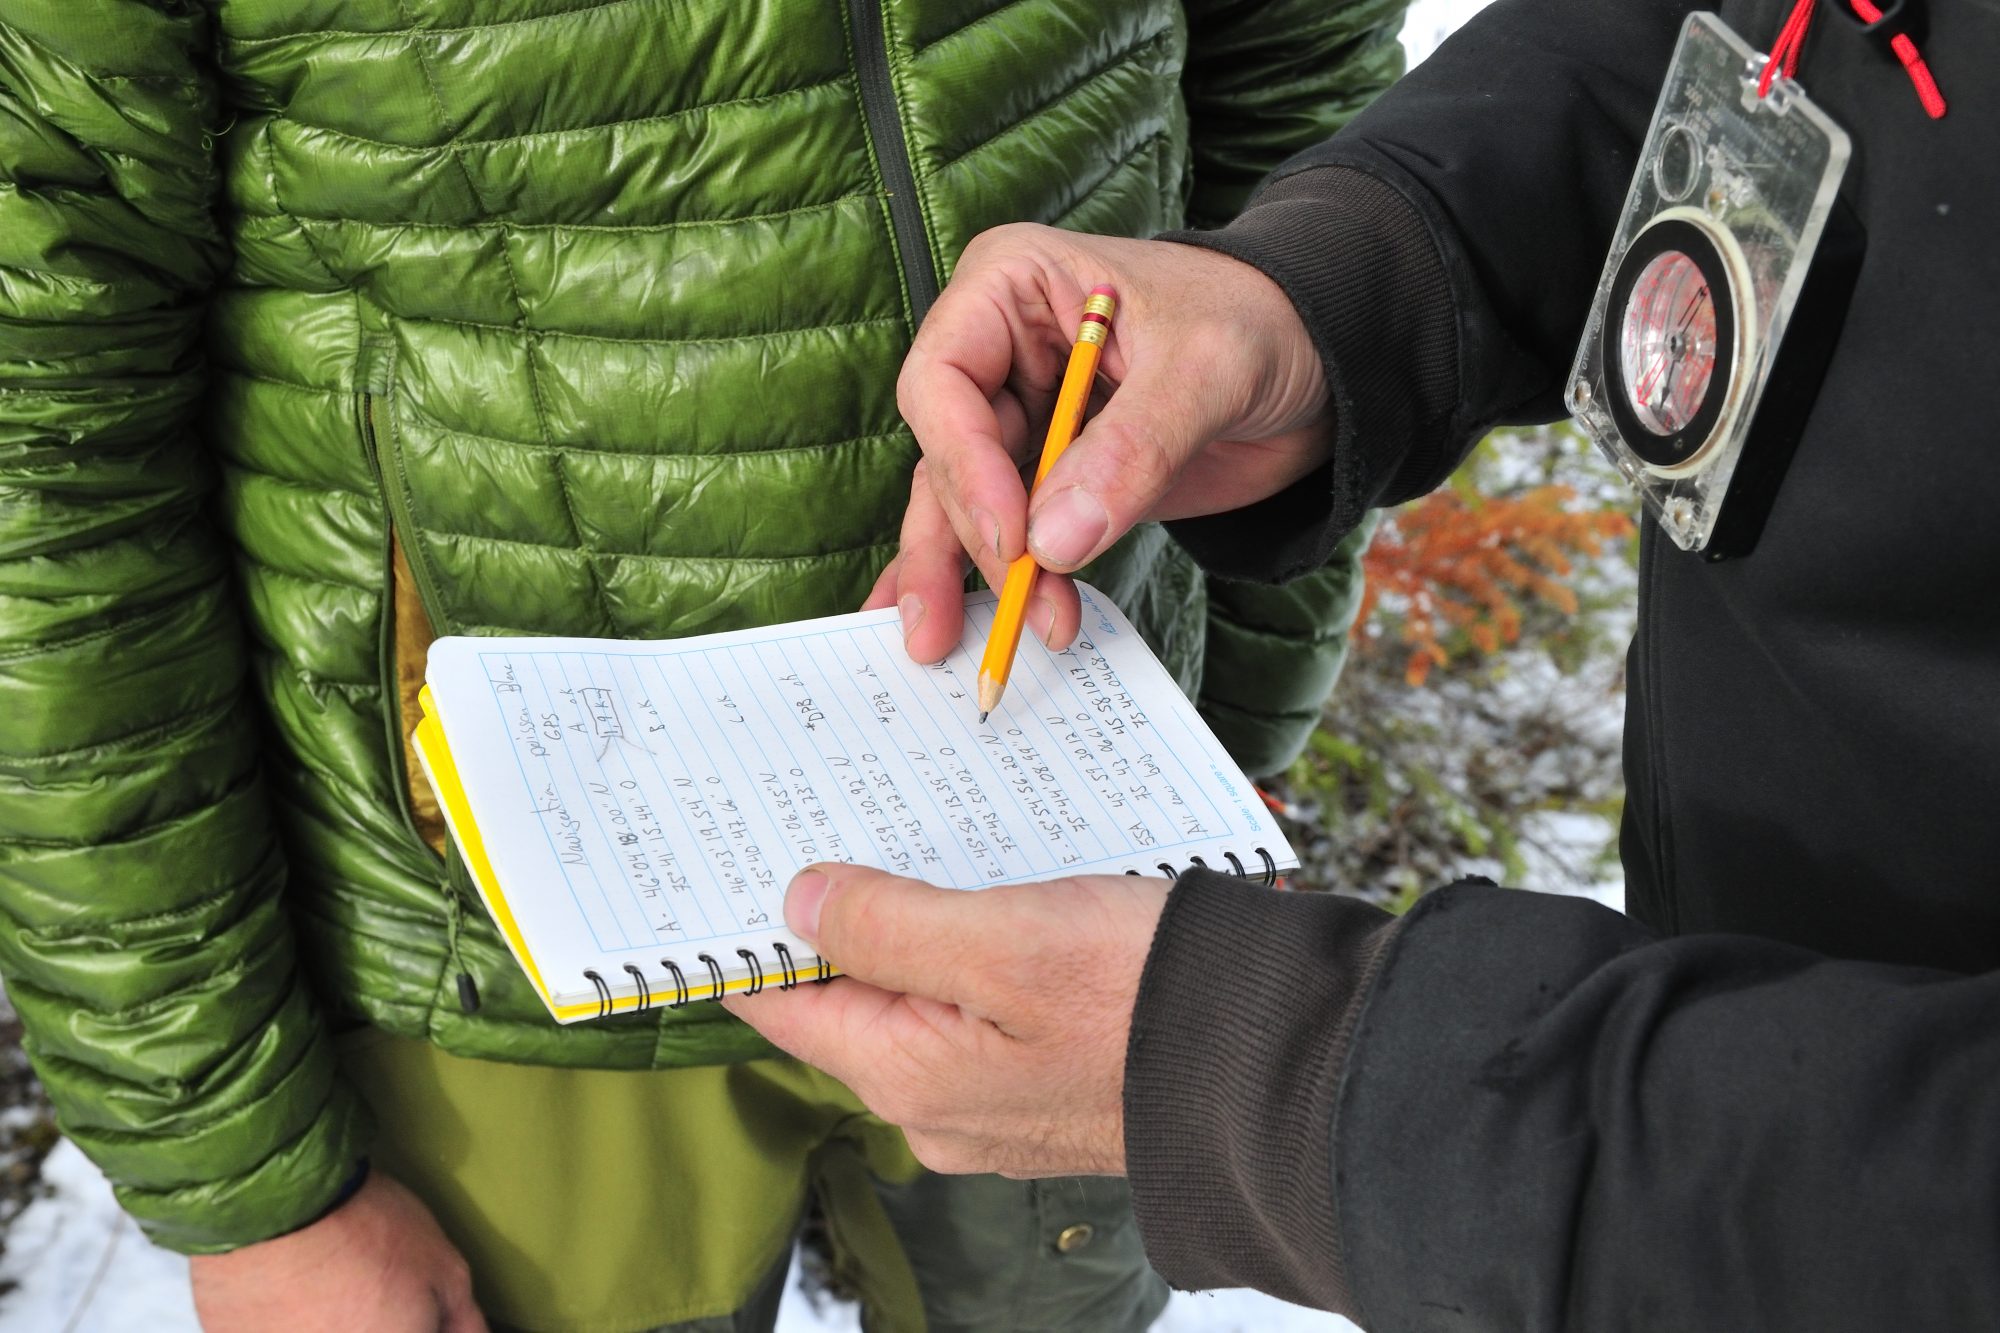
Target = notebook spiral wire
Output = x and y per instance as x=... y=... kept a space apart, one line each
x=756 y=971
x=715 y=981
x=790 y=972
x=603 y=991
x=787 y=969
x=787 y=972
x=1268 y=876
x=680 y=982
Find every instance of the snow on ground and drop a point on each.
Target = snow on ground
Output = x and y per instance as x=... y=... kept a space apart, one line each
x=1560 y=845
x=80 y=1266
x=83 y=1267
x=1429 y=22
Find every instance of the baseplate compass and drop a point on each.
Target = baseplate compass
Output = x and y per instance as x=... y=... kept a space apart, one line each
x=1678 y=378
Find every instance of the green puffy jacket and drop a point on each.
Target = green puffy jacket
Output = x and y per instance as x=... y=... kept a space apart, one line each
x=326 y=325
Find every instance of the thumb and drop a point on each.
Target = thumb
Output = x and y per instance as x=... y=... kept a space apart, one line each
x=458 y=1311
x=1125 y=460
x=459 y=1314
x=898 y=934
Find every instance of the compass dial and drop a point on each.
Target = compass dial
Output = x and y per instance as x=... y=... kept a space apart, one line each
x=1666 y=346
x=1670 y=346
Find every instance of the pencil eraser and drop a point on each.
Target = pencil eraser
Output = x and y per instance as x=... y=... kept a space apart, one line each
x=1104 y=289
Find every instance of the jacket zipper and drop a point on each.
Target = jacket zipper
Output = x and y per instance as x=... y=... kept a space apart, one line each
x=393 y=500
x=399 y=521
x=892 y=155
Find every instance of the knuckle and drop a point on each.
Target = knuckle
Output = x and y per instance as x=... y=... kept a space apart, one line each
x=914 y=1106
x=1059 y=889
x=909 y=380
x=923 y=1100
x=1134 y=461
x=1007 y=236
x=936 y=565
x=921 y=503
x=892 y=1101
x=850 y=911
x=940 y=465
x=1208 y=344
x=868 y=1090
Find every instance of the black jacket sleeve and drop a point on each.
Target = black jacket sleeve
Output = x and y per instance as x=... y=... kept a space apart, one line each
x=1509 y=1110
x=1516 y=1111
x=1442 y=251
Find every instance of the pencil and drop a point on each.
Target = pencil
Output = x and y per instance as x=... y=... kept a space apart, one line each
x=1005 y=637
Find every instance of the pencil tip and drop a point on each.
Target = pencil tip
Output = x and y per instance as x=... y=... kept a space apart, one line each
x=982 y=718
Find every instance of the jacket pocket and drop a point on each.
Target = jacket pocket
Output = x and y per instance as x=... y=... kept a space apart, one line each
x=409 y=627
x=407 y=633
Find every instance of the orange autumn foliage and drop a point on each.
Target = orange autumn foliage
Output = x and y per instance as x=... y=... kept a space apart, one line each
x=1456 y=566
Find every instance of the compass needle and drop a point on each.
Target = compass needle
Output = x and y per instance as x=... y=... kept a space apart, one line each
x=1667 y=342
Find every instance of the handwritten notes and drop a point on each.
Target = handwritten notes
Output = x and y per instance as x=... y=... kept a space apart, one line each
x=642 y=797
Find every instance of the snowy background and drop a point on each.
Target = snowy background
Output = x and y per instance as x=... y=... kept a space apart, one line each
x=75 y=1264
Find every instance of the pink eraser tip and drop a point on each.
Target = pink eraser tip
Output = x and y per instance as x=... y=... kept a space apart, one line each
x=1104 y=289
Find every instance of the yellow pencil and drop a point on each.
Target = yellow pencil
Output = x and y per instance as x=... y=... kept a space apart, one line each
x=1006 y=633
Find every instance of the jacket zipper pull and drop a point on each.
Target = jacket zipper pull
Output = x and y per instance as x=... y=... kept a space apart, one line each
x=454 y=916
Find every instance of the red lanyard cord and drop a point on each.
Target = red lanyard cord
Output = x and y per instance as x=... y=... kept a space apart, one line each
x=1784 y=55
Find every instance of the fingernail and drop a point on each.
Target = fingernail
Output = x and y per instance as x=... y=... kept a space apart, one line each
x=911 y=609
x=989 y=527
x=1042 y=619
x=1067 y=529
x=802 y=903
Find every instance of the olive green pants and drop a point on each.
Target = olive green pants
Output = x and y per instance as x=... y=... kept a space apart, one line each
x=601 y=1201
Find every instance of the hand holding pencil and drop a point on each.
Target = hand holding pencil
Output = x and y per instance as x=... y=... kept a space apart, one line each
x=1218 y=399
x=1005 y=637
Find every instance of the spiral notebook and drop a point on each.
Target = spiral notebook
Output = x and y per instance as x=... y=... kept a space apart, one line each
x=632 y=811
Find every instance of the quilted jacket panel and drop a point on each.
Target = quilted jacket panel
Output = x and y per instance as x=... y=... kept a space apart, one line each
x=596 y=305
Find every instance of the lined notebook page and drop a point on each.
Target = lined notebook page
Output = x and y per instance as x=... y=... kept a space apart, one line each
x=648 y=801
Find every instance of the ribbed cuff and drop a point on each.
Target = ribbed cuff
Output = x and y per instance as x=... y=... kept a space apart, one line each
x=1239 y=1039
x=1360 y=266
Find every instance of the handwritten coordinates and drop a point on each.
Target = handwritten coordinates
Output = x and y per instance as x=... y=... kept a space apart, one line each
x=677 y=791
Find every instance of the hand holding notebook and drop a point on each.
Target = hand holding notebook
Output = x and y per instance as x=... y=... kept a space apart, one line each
x=631 y=811
x=1007 y=1056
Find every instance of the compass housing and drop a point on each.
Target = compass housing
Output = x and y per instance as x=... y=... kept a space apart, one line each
x=1687 y=233
x=1740 y=186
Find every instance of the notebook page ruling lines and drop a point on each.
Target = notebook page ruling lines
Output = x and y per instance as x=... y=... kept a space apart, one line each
x=609 y=781
x=649 y=800
x=1136 y=745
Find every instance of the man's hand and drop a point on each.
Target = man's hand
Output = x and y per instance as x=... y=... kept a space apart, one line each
x=1218 y=400
x=991 y=1026
x=376 y=1264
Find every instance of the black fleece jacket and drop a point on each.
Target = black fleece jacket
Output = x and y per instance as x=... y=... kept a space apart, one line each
x=1769 y=1099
